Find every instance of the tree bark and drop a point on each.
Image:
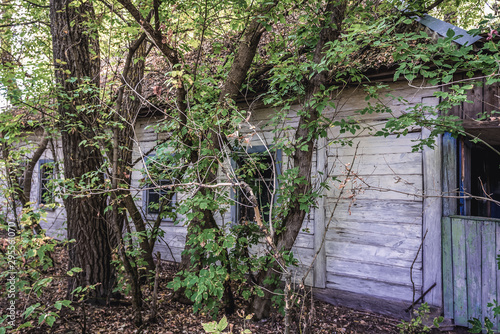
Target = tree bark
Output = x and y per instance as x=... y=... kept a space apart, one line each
x=76 y=60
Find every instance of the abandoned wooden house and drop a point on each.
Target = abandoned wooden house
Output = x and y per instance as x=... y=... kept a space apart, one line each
x=399 y=230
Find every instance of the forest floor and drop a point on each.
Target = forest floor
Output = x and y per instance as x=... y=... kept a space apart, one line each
x=174 y=317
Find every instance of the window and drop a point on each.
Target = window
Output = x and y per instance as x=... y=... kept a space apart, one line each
x=480 y=175
x=156 y=199
x=259 y=170
x=46 y=172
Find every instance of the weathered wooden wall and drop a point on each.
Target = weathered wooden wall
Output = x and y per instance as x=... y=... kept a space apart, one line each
x=372 y=239
x=376 y=230
x=470 y=275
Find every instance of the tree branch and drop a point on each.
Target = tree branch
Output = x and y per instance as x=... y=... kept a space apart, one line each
x=23 y=24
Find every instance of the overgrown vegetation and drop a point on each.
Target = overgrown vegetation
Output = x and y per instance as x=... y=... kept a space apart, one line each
x=190 y=64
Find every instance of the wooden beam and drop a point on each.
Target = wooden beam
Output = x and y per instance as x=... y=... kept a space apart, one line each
x=447 y=268
x=459 y=274
x=450 y=207
x=449 y=175
x=473 y=271
x=492 y=123
x=320 y=221
x=465 y=176
x=432 y=213
x=385 y=306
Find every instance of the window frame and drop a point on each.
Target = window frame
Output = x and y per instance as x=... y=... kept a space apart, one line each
x=235 y=193
x=147 y=192
x=42 y=180
x=471 y=156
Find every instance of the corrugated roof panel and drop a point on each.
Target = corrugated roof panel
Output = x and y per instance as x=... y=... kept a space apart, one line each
x=442 y=27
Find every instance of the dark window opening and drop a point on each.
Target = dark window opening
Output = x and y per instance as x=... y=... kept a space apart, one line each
x=46 y=186
x=157 y=198
x=485 y=181
x=479 y=176
x=258 y=171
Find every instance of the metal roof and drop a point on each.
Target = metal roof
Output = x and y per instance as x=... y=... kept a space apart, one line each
x=442 y=28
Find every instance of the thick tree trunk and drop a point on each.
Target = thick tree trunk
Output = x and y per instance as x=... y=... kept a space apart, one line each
x=302 y=159
x=76 y=61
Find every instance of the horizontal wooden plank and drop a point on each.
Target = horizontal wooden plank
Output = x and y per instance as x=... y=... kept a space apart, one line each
x=478 y=220
x=304 y=241
x=376 y=145
x=381 y=227
x=372 y=238
x=383 y=273
x=351 y=109
x=307 y=227
x=360 y=301
x=55 y=224
x=363 y=210
x=385 y=164
x=386 y=187
x=370 y=287
x=173 y=240
x=373 y=254
x=303 y=255
x=397 y=94
x=351 y=102
x=367 y=129
x=145 y=147
x=353 y=112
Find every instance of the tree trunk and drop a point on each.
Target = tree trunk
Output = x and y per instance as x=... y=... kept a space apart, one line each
x=127 y=105
x=77 y=65
x=28 y=173
x=230 y=89
x=302 y=159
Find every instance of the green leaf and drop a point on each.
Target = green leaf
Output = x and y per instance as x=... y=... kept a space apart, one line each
x=60 y=303
x=222 y=324
x=50 y=320
x=410 y=77
x=30 y=310
x=448 y=78
x=74 y=270
x=210 y=327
